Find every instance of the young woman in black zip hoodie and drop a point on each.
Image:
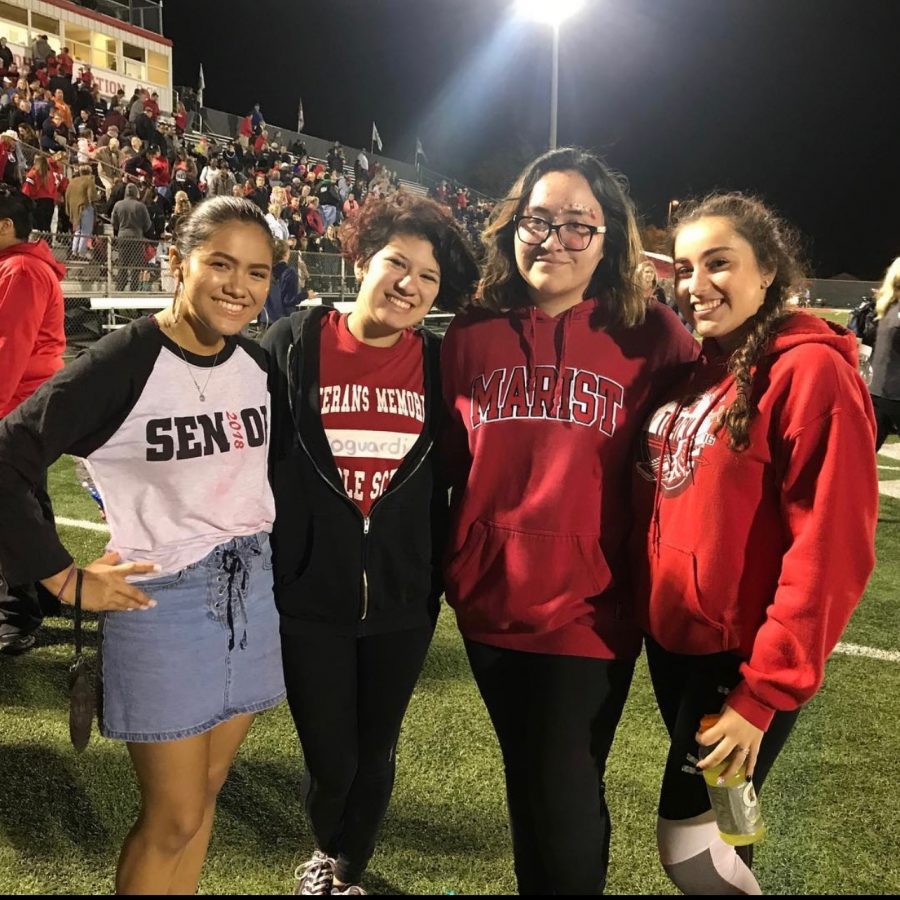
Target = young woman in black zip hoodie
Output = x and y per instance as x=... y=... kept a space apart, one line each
x=361 y=517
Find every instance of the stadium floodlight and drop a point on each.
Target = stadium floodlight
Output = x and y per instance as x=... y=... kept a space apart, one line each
x=550 y=12
x=553 y=13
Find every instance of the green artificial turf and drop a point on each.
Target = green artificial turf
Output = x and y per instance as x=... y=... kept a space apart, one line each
x=829 y=802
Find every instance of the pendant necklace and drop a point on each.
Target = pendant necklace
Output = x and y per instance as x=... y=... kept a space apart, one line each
x=201 y=392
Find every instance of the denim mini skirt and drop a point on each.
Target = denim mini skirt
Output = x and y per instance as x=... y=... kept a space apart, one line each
x=208 y=651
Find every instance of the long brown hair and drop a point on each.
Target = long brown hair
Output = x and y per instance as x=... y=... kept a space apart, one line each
x=614 y=280
x=776 y=246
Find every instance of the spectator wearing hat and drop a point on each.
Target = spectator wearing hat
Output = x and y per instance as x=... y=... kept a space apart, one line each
x=182 y=181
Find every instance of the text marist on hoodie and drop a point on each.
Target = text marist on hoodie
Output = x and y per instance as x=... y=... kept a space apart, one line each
x=675 y=437
x=582 y=397
x=386 y=423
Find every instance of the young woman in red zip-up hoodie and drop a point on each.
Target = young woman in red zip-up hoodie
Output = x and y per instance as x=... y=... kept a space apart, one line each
x=755 y=546
x=546 y=385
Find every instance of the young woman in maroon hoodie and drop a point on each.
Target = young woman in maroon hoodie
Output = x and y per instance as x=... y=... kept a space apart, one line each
x=546 y=385
x=756 y=547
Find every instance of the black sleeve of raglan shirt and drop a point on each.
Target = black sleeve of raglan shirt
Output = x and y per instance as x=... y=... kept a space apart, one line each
x=77 y=411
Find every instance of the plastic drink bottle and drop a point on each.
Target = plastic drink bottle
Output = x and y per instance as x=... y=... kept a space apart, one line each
x=735 y=803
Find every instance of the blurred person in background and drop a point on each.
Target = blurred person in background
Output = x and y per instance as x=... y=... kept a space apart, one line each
x=40 y=185
x=885 y=384
x=80 y=197
x=32 y=343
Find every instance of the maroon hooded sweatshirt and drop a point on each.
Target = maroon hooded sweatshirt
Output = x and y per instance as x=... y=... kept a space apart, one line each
x=764 y=552
x=32 y=336
x=543 y=413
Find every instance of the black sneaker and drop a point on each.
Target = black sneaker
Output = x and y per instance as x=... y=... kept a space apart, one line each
x=315 y=877
x=15 y=644
x=348 y=890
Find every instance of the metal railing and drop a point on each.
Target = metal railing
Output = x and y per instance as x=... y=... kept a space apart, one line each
x=110 y=280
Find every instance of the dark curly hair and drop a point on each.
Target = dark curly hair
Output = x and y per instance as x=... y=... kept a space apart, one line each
x=777 y=248
x=378 y=220
x=614 y=280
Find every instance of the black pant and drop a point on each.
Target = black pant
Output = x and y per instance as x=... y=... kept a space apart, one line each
x=43 y=213
x=555 y=718
x=348 y=697
x=887 y=415
x=688 y=688
x=23 y=607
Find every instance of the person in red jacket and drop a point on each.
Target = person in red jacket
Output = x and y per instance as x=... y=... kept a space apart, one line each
x=40 y=185
x=546 y=386
x=32 y=342
x=755 y=546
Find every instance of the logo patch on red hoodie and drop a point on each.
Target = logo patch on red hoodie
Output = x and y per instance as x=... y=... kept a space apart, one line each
x=675 y=437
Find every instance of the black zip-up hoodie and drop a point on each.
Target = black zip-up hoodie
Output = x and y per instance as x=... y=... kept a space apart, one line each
x=336 y=570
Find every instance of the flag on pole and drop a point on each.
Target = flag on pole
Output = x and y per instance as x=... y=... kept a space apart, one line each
x=420 y=151
x=300 y=119
x=201 y=86
x=376 y=137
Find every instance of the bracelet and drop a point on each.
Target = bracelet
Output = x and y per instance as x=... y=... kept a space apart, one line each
x=72 y=569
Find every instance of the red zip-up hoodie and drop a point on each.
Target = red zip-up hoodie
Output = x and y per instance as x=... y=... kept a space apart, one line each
x=539 y=466
x=32 y=335
x=765 y=552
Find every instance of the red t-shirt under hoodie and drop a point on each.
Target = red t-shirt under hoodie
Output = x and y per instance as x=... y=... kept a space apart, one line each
x=765 y=552
x=372 y=401
x=539 y=465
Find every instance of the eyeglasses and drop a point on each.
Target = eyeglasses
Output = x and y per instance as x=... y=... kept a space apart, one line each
x=572 y=235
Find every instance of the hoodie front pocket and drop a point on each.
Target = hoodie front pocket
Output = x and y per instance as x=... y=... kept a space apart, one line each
x=508 y=579
x=678 y=619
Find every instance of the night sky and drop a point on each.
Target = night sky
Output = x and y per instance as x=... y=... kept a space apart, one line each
x=796 y=100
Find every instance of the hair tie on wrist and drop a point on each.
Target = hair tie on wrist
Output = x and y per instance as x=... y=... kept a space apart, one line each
x=69 y=575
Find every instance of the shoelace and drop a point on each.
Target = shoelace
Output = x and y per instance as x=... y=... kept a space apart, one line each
x=317 y=875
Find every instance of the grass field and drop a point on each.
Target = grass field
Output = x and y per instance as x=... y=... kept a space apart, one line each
x=829 y=803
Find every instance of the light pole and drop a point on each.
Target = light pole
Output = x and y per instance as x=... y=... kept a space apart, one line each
x=673 y=205
x=552 y=13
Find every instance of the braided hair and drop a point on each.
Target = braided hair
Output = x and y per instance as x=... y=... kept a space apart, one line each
x=776 y=246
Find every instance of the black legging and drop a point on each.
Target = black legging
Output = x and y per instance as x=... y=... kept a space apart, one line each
x=887 y=415
x=555 y=718
x=348 y=697
x=687 y=688
x=43 y=213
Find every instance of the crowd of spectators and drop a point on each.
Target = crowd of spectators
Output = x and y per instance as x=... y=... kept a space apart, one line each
x=87 y=160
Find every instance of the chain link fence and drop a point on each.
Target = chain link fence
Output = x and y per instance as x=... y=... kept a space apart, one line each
x=111 y=280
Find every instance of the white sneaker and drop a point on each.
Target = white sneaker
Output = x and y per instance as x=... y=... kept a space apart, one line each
x=316 y=876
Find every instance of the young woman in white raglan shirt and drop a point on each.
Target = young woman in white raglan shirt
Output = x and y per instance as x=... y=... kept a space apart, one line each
x=171 y=414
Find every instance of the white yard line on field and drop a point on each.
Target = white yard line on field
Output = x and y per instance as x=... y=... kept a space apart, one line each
x=890 y=488
x=870 y=652
x=81 y=523
x=892 y=451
